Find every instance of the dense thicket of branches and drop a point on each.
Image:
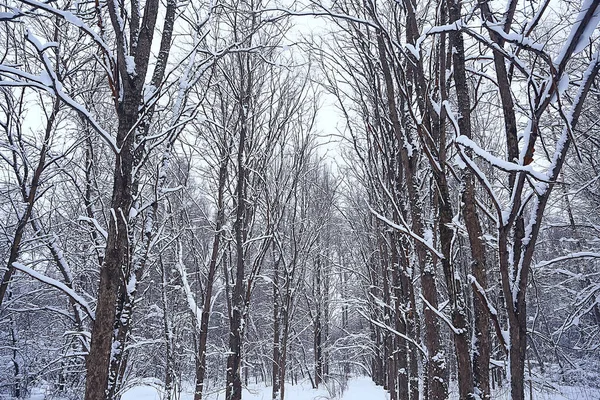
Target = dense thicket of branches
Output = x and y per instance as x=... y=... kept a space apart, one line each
x=170 y=214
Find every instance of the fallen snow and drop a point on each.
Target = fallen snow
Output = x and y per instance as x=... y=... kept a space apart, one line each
x=361 y=388
x=142 y=393
x=560 y=393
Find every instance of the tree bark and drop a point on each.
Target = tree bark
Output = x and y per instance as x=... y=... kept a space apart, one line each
x=276 y=395
x=236 y=321
x=116 y=258
x=212 y=269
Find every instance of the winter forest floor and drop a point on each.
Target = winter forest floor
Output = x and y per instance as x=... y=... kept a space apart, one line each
x=359 y=388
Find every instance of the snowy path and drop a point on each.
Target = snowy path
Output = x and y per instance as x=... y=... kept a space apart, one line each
x=361 y=388
x=358 y=389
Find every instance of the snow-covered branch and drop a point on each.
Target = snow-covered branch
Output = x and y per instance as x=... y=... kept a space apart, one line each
x=58 y=285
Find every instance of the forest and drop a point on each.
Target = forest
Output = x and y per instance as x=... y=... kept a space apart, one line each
x=202 y=195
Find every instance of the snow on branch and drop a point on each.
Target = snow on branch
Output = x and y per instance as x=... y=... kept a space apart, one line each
x=406 y=231
x=13 y=14
x=484 y=181
x=572 y=256
x=96 y=224
x=584 y=26
x=480 y=292
x=457 y=331
x=54 y=85
x=36 y=81
x=395 y=332
x=515 y=38
x=189 y=295
x=48 y=81
x=58 y=285
x=498 y=162
x=73 y=20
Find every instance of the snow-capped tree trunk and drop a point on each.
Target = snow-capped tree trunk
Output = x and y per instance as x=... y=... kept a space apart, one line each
x=238 y=303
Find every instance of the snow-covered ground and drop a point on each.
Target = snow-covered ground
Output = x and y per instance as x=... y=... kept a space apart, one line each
x=361 y=388
x=558 y=393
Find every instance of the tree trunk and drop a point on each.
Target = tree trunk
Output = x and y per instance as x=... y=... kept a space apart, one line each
x=285 y=317
x=236 y=321
x=115 y=260
x=400 y=352
x=168 y=337
x=318 y=329
x=212 y=269
x=276 y=378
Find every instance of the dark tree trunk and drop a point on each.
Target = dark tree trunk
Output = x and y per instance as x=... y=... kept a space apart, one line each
x=400 y=294
x=276 y=378
x=318 y=328
x=168 y=337
x=212 y=269
x=115 y=261
x=285 y=318
x=238 y=304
